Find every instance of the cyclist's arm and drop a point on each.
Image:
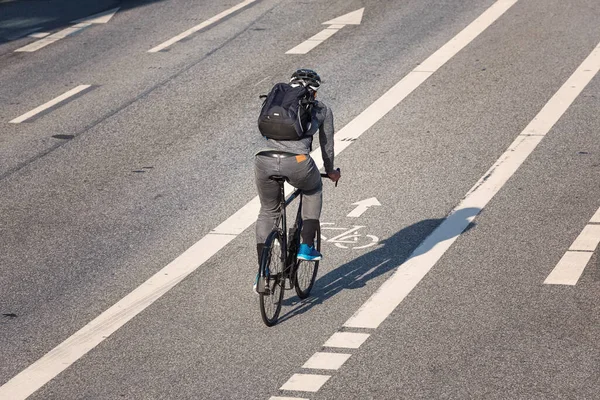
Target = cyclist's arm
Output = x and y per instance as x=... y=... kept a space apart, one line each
x=326 y=131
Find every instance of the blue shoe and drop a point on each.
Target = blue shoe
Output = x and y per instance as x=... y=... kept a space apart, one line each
x=308 y=253
x=255 y=286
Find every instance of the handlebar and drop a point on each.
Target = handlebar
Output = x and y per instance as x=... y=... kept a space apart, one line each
x=327 y=176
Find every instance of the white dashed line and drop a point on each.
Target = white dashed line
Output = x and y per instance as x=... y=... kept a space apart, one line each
x=326 y=361
x=596 y=218
x=573 y=263
x=53 y=38
x=305 y=382
x=588 y=239
x=63 y=97
x=198 y=27
x=347 y=340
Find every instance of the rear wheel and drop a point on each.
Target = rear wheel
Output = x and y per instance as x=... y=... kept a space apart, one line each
x=306 y=271
x=271 y=284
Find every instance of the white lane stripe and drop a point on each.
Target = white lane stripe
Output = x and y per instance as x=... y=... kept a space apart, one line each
x=596 y=218
x=305 y=382
x=88 y=337
x=588 y=239
x=314 y=41
x=346 y=340
x=52 y=38
x=410 y=273
x=285 y=398
x=200 y=26
x=53 y=363
x=331 y=361
x=569 y=268
x=49 y=104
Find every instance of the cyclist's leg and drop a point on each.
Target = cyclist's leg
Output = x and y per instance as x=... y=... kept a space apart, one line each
x=268 y=192
x=304 y=174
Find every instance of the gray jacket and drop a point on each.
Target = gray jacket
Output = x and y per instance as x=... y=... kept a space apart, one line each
x=322 y=120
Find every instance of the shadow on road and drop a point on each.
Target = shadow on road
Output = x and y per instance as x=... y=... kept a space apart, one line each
x=389 y=254
x=19 y=18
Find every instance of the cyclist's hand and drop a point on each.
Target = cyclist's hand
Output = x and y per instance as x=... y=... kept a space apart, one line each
x=335 y=175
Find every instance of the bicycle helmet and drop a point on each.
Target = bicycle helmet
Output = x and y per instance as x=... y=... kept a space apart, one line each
x=307 y=78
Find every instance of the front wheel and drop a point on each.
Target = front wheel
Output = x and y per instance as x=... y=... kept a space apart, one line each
x=306 y=271
x=272 y=279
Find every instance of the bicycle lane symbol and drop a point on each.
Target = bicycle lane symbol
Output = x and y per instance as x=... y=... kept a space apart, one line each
x=350 y=238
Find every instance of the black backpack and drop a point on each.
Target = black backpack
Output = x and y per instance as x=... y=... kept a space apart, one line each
x=285 y=113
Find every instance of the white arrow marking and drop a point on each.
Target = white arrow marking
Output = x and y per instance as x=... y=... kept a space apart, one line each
x=353 y=18
x=362 y=206
x=100 y=18
x=80 y=24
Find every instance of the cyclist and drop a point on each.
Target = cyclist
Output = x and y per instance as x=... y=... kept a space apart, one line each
x=291 y=158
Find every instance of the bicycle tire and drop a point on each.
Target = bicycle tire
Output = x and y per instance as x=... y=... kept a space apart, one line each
x=306 y=271
x=272 y=264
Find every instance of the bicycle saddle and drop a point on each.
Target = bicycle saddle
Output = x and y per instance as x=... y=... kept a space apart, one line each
x=278 y=178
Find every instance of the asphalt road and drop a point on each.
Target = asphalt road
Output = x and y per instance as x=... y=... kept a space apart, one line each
x=100 y=192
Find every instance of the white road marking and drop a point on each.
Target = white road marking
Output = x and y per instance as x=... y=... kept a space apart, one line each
x=39 y=35
x=362 y=206
x=313 y=42
x=573 y=263
x=588 y=239
x=305 y=382
x=62 y=356
x=285 y=398
x=409 y=274
x=569 y=268
x=203 y=25
x=100 y=18
x=80 y=24
x=596 y=218
x=326 y=361
x=52 y=38
x=352 y=18
x=346 y=340
x=49 y=104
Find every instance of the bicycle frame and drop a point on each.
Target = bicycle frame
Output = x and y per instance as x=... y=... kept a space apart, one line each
x=289 y=242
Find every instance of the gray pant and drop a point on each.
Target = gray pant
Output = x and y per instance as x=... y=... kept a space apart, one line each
x=302 y=174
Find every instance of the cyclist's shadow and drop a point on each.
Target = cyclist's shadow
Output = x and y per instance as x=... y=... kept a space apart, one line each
x=388 y=255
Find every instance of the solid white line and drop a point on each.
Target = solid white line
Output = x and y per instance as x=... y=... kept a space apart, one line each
x=49 y=104
x=198 y=27
x=346 y=340
x=331 y=361
x=409 y=274
x=569 y=268
x=596 y=218
x=305 y=382
x=314 y=41
x=588 y=239
x=75 y=347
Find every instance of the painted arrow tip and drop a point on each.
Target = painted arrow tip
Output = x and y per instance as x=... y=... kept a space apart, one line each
x=352 y=18
x=100 y=18
x=368 y=202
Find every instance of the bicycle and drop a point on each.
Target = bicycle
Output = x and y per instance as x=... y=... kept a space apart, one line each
x=278 y=262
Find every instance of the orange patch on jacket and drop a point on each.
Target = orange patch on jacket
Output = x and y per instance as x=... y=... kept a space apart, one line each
x=300 y=158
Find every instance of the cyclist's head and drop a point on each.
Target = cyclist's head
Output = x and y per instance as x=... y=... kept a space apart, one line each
x=307 y=78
